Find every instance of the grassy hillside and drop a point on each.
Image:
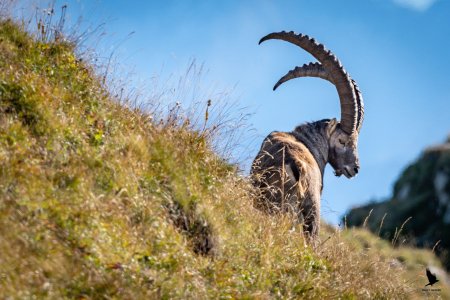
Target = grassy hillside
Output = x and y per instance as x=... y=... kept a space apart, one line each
x=99 y=201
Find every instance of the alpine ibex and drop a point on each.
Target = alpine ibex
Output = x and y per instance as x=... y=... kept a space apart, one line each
x=289 y=168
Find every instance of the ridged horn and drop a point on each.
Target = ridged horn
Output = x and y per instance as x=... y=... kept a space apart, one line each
x=317 y=70
x=307 y=70
x=340 y=78
x=360 y=103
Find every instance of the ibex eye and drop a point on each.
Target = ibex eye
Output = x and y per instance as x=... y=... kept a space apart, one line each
x=342 y=142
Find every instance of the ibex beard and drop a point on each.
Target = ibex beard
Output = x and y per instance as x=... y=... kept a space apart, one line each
x=289 y=168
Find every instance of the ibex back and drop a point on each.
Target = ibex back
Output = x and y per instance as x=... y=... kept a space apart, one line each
x=289 y=168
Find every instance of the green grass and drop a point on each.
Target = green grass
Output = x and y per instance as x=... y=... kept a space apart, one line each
x=99 y=202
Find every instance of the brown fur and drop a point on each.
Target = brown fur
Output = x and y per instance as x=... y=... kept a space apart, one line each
x=302 y=157
x=274 y=173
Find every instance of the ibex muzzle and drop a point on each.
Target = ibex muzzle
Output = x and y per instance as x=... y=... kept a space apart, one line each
x=289 y=168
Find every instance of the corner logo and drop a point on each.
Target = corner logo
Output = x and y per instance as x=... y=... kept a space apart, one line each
x=432 y=279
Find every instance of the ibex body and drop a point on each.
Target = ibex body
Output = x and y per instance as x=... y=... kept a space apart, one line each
x=289 y=168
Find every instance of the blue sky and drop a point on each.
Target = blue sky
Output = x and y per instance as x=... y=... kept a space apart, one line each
x=397 y=50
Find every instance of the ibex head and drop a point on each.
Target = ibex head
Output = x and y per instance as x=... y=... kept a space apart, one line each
x=343 y=135
x=343 y=152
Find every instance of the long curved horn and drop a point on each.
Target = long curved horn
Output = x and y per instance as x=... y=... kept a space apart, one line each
x=340 y=78
x=360 y=102
x=307 y=70
x=317 y=70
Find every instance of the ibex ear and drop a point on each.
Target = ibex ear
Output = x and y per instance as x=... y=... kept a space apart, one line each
x=332 y=124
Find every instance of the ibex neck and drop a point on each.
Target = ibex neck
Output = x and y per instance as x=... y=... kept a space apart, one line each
x=314 y=137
